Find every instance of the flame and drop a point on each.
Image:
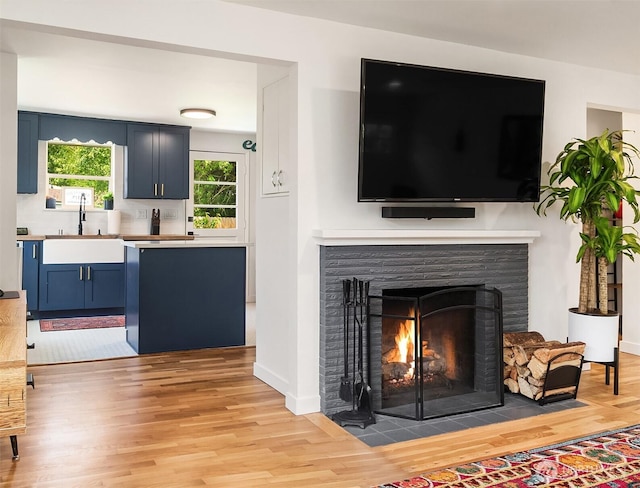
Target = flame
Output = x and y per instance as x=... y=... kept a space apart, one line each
x=405 y=340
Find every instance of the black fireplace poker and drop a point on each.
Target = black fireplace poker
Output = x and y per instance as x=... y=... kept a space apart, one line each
x=355 y=303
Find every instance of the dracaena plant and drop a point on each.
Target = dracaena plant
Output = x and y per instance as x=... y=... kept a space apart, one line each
x=591 y=179
x=609 y=242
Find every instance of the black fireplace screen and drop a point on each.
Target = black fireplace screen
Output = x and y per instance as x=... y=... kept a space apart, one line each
x=435 y=351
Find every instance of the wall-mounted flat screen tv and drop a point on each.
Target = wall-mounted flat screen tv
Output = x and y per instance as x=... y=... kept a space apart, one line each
x=442 y=135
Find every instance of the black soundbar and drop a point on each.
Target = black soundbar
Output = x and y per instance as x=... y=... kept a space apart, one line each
x=428 y=212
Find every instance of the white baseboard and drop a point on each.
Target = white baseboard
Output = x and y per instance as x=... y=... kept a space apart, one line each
x=301 y=406
x=270 y=378
x=630 y=347
x=298 y=406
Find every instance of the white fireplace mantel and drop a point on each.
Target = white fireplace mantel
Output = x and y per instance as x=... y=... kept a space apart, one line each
x=363 y=237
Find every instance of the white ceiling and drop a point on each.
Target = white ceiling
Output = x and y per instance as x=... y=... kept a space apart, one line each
x=88 y=77
x=596 y=33
x=85 y=77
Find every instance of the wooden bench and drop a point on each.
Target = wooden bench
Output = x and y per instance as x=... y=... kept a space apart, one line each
x=13 y=368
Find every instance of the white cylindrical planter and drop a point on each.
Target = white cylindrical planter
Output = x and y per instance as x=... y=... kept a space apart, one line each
x=598 y=332
x=113 y=221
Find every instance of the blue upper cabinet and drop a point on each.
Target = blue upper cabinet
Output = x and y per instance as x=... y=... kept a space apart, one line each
x=27 y=152
x=157 y=162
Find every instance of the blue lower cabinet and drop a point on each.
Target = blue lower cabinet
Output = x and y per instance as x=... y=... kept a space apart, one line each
x=185 y=298
x=104 y=286
x=81 y=286
x=31 y=272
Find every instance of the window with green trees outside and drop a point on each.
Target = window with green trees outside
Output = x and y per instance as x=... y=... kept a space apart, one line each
x=78 y=166
x=215 y=194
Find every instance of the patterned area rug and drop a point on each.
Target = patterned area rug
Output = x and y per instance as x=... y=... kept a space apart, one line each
x=79 y=323
x=610 y=459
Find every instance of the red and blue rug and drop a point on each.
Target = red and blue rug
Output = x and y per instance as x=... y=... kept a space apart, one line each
x=79 y=323
x=610 y=459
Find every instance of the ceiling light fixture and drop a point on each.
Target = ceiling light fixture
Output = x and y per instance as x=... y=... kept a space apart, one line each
x=197 y=113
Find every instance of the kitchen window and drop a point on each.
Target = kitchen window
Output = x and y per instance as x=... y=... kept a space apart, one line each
x=76 y=169
x=217 y=193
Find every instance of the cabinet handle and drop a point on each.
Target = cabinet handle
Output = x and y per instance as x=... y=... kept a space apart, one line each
x=273 y=178
x=34 y=255
x=80 y=273
x=88 y=273
x=155 y=189
x=280 y=179
x=162 y=190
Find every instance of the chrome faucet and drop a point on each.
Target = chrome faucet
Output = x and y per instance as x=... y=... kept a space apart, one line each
x=82 y=215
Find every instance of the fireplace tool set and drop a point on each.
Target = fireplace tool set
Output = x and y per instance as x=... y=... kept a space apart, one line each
x=354 y=387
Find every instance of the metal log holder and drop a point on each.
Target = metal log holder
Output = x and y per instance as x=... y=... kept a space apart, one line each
x=356 y=311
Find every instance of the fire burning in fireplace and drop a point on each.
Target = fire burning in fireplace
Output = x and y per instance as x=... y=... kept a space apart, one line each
x=405 y=340
x=399 y=362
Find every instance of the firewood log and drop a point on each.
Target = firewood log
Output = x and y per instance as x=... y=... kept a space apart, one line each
x=539 y=382
x=508 y=356
x=514 y=374
x=538 y=368
x=394 y=371
x=430 y=354
x=527 y=389
x=546 y=354
x=391 y=356
x=437 y=366
x=538 y=363
x=512 y=385
x=511 y=339
x=510 y=372
x=506 y=370
x=523 y=353
x=523 y=371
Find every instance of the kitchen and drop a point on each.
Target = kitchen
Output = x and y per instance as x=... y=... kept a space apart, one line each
x=208 y=138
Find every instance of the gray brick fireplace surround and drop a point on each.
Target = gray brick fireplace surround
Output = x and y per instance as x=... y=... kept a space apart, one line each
x=501 y=266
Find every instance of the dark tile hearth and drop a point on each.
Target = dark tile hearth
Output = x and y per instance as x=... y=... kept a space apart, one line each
x=388 y=430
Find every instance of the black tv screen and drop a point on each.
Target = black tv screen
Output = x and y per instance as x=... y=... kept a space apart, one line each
x=443 y=135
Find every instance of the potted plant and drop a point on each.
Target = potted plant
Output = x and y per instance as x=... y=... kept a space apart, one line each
x=108 y=201
x=591 y=180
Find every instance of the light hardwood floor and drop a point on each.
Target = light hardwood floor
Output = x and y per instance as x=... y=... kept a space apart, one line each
x=201 y=418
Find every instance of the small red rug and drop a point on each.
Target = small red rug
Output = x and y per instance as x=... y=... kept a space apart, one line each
x=79 y=323
x=610 y=459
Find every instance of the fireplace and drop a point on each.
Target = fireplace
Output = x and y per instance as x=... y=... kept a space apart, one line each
x=435 y=351
x=503 y=266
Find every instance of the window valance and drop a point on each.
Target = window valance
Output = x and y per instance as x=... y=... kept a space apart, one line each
x=83 y=129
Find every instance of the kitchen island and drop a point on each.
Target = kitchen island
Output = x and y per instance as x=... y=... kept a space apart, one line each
x=184 y=294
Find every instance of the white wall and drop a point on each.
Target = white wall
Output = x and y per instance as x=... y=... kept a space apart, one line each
x=631 y=269
x=8 y=172
x=327 y=56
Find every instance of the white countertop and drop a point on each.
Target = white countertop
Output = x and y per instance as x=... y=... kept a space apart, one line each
x=198 y=242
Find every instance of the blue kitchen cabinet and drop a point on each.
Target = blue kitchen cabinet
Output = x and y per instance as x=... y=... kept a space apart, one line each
x=31 y=272
x=157 y=162
x=27 y=153
x=81 y=286
x=105 y=286
x=185 y=298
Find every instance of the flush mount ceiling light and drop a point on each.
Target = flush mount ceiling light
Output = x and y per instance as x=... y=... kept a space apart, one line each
x=197 y=113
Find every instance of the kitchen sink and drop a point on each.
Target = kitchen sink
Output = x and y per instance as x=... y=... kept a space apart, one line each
x=82 y=249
